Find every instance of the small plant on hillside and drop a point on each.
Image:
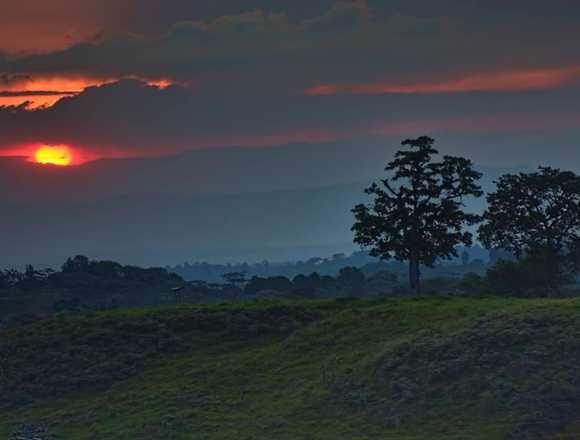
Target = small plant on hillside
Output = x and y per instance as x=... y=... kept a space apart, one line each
x=418 y=211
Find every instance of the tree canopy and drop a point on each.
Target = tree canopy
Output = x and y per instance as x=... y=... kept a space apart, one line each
x=536 y=217
x=533 y=211
x=418 y=211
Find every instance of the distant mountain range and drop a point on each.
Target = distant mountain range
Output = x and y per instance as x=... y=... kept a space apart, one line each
x=218 y=205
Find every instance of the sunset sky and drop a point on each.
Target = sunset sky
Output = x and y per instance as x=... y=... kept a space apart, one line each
x=151 y=79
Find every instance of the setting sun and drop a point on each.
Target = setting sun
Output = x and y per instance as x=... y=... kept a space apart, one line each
x=53 y=155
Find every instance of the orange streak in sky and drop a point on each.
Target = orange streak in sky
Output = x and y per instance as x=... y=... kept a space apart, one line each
x=539 y=79
x=56 y=84
x=35 y=101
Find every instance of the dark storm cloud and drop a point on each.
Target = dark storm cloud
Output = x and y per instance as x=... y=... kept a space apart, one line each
x=377 y=71
x=156 y=15
x=352 y=41
x=130 y=118
x=479 y=9
x=342 y=15
x=11 y=80
x=246 y=74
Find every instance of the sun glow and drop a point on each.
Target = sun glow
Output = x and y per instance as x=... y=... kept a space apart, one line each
x=53 y=155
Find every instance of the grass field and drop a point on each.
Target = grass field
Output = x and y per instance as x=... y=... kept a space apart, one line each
x=428 y=369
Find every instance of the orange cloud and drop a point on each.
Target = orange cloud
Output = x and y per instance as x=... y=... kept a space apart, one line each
x=29 y=84
x=517 y=80
x=31 y=101
x=34 y=26
x=30 y=90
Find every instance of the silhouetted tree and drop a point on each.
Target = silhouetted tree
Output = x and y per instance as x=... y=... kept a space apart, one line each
x=472 y=284
x=533 y=275
x=351 y=280
x=11 y=277
x=279 y=284
x=106 y=269
x=417 y=214
x=310 y=285
x=30 y=273
x=529 y=211
x=536 y=216
x=80 y=263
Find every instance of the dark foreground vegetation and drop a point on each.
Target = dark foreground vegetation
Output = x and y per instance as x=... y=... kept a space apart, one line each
x=81 y=285
x=434 y=368
x=85 y=286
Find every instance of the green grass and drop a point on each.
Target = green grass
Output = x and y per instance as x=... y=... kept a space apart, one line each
x=428 y=369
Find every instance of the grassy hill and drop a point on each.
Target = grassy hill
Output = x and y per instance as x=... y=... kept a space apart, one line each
x=429 y=369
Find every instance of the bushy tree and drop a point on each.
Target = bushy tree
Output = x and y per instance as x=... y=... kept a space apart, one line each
x=351 y=280
x=80 y=263
x=309 y=286
x=418 y=211
x=10 y=278
x=472 y=284
x=278 y=284
x=29 y=273
x=533 y=275
x=106 y=269
x=537 y=216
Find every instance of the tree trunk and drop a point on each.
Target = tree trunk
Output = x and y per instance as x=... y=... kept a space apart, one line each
x=415 y=276
x=418 y=279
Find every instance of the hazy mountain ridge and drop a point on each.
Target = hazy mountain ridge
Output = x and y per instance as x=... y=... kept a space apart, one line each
x=125 y=210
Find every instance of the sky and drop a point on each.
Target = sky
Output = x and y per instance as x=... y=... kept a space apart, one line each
x=331 y=86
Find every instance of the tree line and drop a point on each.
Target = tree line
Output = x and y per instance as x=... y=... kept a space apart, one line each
x=81 y=270
x=418 y=214
x=213 y=272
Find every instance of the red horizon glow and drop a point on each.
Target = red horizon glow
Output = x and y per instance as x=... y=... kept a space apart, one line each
x=496 y=124
x=517 y=80
x=75 y=155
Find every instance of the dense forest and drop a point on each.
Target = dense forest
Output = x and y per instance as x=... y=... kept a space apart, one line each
x=86 y=285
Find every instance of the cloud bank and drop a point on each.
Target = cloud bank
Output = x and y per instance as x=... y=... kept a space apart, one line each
x=269 y=73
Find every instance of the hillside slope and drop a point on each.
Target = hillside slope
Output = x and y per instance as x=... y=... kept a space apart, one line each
x=417 y=369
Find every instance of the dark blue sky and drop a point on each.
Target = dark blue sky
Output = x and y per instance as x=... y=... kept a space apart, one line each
x=324 y=90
